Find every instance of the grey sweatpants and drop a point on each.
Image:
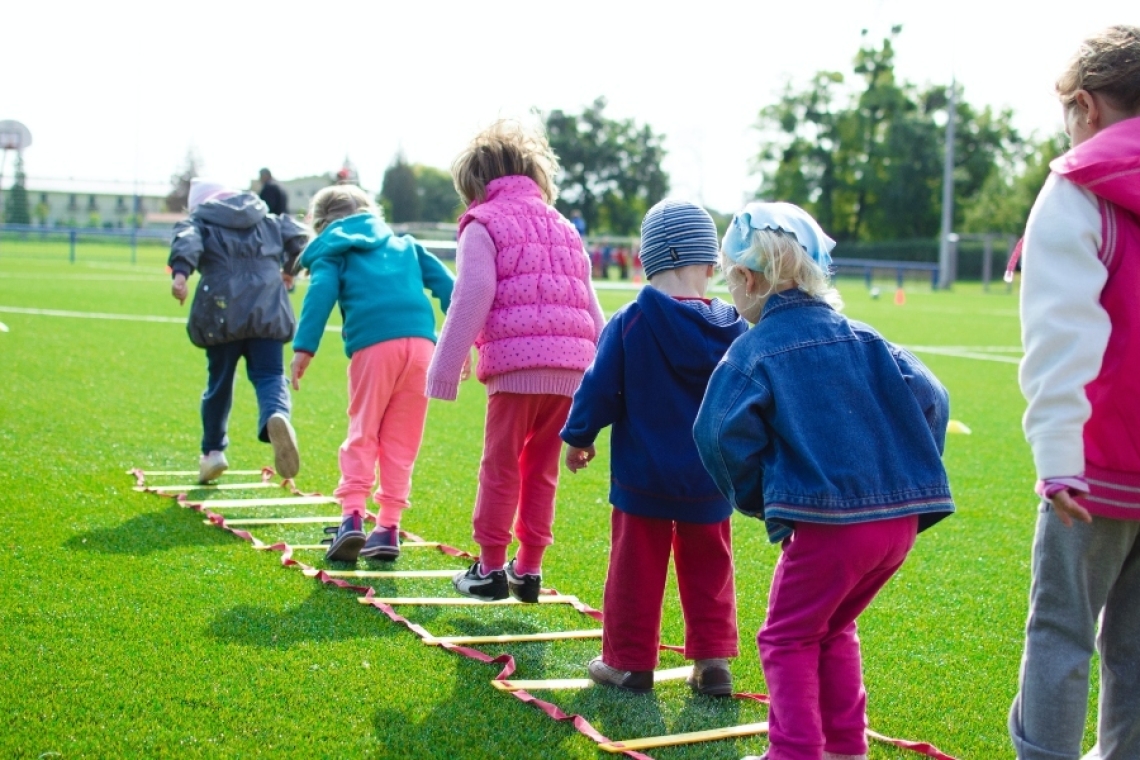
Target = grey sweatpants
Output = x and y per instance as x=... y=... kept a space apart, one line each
x=1079 y=574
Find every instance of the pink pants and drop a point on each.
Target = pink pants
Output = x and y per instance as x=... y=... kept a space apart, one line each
x=809 y=649
x=386 y=411
x=518 y=474
x=635 y=589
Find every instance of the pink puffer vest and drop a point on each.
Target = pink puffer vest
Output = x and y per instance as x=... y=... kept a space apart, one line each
x=540 y=317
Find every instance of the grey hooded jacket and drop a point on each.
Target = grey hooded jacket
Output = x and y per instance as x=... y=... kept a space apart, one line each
x=239 y=249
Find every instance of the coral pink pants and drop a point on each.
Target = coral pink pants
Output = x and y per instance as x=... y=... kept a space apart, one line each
x=809 y=649
x=518 y=475
x=635 y=589
x=386 y=412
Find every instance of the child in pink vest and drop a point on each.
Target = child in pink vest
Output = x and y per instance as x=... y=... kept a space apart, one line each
x=1081 y=377
x=523 y=297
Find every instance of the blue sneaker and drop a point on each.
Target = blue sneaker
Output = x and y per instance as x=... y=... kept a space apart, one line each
x=347 y=540
x=383 y=543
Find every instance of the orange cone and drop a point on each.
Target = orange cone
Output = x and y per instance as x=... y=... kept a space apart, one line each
x=900 y=297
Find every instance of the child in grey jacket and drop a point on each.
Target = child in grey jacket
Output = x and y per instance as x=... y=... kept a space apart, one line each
x=240 y=310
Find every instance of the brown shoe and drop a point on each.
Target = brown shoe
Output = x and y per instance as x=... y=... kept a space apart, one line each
x=711 y=678
x=635 y=681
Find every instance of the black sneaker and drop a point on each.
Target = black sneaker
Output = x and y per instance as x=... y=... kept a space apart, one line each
x=526 y=587
x=383 y=544
x=345 y=545
x=488 y=588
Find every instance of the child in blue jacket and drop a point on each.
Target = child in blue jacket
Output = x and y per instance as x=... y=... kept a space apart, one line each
x=833 y=436
x=654 y=359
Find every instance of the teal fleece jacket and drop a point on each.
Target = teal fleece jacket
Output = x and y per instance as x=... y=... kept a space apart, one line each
x=379 y=280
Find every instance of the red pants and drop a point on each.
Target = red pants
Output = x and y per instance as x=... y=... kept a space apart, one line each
x=809 y=649
x=519 y=472
x=635 y=589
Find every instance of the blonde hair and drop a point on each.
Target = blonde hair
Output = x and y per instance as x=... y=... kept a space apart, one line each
x=337 y=202
x=506 y=148
x=783 y=260
x=1108 y=63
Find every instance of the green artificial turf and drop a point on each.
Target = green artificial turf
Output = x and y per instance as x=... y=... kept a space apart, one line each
x=130 y=629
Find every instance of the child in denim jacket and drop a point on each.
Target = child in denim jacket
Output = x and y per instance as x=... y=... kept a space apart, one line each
x=833 y=436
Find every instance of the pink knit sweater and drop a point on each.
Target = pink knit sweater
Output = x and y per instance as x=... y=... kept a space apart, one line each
x=471 y=301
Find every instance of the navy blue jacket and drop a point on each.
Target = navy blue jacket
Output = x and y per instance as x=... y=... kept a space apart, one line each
x=654 y=359
x=815 y=417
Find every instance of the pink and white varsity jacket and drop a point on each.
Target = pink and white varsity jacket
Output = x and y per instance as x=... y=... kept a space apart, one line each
x=1080 y=314
x=523 y=296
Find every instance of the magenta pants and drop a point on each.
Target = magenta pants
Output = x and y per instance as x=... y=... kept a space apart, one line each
x=825 y=577
x=518 y=474
x=635 y=589
x=386 y=412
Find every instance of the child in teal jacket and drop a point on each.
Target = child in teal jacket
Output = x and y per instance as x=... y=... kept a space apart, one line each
x=378 y=278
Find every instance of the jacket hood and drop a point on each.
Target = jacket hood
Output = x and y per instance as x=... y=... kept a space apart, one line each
x=1107 y=164
x=238 y=212
x=359 y=232
x=690 y=333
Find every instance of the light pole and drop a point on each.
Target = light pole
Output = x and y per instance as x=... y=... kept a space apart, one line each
x=945 y=255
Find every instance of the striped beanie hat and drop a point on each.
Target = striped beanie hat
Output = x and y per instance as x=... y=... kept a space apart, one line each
x=677 y=234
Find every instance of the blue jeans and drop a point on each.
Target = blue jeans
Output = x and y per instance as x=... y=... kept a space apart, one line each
x=265 y=367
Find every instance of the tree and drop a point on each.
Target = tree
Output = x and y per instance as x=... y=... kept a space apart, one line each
x=16 y=209
x=439 y=202
x=178 y=200
x=398 y=192
x=868 y=162
x=1004 y=201
x=611 y=170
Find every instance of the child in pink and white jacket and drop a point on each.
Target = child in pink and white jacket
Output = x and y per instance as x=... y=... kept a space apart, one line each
x=1081 y=377
x=523 y=297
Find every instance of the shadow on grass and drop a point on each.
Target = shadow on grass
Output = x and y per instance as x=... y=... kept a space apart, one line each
x=150 y=532
x=322 y=617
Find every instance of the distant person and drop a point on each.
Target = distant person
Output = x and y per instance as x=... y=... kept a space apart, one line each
x=240 y=311
x=579 y=223
x=833 y=437
x=378 y=279
x=1081 y=378
x=273 y=194
x=523 y=297
x=654 y=362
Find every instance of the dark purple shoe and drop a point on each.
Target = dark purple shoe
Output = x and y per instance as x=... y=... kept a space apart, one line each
x=347 y=540
x=383 y=544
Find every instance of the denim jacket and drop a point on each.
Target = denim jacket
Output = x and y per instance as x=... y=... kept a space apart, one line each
x=812 y=416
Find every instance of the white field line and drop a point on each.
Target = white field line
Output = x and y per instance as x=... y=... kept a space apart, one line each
x=981 y=353
x=84 y=277
x=101 y=315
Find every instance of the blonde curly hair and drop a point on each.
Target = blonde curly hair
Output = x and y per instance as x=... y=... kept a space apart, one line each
x=506 y=148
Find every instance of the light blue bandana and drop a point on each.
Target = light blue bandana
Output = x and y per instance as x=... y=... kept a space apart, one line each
x=784 y=217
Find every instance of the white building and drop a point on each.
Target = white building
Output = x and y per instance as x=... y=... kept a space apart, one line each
x=92 y=203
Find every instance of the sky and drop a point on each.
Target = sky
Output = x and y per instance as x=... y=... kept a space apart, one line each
x=117 y=91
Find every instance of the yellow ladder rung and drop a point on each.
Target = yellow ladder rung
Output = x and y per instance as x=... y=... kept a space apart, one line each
x=671 y=674
x=403 y=545
x=287 y=501
x=672 y=740
x=332 y=520
x=313 y=571
x=194 y=472
x=508 y=637
x=210 y=487
x=461 y=601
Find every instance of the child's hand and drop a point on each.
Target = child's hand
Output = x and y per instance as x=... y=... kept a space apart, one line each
x=465 y=373
x=178 y=287
x=287 y=279
x=578 y=459
x=297 y=368
x=1068 y=509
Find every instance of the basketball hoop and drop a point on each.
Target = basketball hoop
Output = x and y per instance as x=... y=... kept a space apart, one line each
x=14 y=136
